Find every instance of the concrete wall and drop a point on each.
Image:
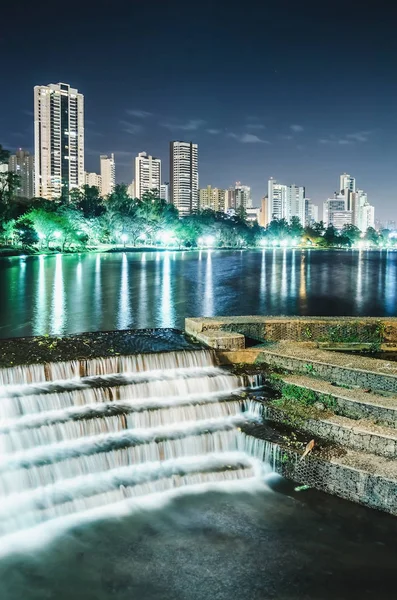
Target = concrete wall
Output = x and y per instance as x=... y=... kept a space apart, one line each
x=302 y=329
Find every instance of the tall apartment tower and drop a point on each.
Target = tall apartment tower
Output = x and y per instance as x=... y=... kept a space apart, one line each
x=58 y=140
x=108 y=174
x=147 y=174
x=242 y=196
x=184 y=176
x=277 y=200
x=22 y=163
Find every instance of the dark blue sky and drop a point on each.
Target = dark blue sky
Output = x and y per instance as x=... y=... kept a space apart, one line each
x=295 y=90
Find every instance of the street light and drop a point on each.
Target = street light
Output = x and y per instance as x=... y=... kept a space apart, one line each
x=124 y=238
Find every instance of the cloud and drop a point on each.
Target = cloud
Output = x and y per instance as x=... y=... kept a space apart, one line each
x=29 y=113
x=191 y=125
x=139 y=114
x=346 y=140
x=248 y=138
x=213 y=131
x=131 y=128
x=255 y=126
x=287 y=137
x=296 y=128
x=359 y=136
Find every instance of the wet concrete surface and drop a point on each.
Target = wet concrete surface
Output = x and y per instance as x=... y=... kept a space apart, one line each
x=276 y=543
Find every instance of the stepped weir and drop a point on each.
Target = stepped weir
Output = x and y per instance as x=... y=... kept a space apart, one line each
x=85 y=435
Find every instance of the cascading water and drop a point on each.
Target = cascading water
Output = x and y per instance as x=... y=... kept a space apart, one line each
x=86 y=434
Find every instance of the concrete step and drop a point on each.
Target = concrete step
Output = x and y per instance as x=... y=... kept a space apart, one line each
x=346 y=370
x=362 y=435
x=352 y=403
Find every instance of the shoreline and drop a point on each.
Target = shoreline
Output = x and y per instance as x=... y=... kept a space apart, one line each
x=19 y=253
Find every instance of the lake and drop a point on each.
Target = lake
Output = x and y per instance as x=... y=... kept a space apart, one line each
x=66 y=294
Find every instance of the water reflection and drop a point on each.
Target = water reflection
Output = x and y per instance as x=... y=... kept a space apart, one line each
x=124 y=310
x=209 y=290
x=58 y=299
x=167 y=309
x=66 y=294
x=40 y=309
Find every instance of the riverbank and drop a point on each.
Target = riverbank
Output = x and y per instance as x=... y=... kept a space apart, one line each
x=19 y=252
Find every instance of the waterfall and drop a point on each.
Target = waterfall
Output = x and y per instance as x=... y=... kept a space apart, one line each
x=84 y=435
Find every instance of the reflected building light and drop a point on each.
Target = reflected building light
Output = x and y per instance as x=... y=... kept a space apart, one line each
x=390 y=285
x=167 y=309
x=302 y=278
x=359 y=283
x=208 y=289
x=309 y=267
x=262 y=289
x=97 y=289
x=40 y=308
x=273 y=281
x=284 y=289
x=124 y=312
x=58 y=299
x=143 y=312
x=292 y=291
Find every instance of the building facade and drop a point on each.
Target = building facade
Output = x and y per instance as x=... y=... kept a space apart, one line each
x=335 y=212
x=108 y=174
x=93 y=180
x=165 y=191
x=295 y=205
x=58 y=140
x=213 y=198
x=277 y=200
x=22 y=163
x=242 y=196
x=184 y=177
x=147 y=174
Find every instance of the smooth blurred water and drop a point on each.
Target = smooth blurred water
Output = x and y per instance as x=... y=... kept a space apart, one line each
x=90 y=292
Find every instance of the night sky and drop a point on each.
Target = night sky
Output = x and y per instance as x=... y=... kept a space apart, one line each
x=295 y=90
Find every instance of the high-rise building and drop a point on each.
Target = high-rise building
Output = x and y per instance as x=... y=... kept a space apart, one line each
x=366 y=217
x=165 y=191
x=335 y=212
x=295 y=203
x=263 y=215
x=108 y=174
x=131 y=189
x=285 y=201
x=184 y=176
x=311 y=212
x=93 y=179
x=277 y=200
x=230 y=199
x=22 y=163
x=253 y=215
x=347 y=182
x=242 y=196
x=213 y=198
x=58 y=140
x=147 y=174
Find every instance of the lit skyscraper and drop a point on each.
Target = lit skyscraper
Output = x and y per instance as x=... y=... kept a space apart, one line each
x=58 y=140
x=277 y=200
x=147 y=174
x=22 y=163
x=108 y=175
x=184 y=176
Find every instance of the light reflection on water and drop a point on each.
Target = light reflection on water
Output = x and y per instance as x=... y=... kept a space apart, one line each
x=66 y=294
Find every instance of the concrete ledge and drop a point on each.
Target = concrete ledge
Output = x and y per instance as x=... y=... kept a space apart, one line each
x=379 y=330
x=222 y=340
x=358 y=435
x=352 y=403
x=372 y=374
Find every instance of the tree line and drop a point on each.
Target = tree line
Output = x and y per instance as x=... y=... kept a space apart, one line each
x=86 y=220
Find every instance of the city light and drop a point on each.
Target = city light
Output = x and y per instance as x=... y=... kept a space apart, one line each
x=57 y=234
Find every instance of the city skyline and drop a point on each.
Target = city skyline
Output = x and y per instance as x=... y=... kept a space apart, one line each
x=302 y=111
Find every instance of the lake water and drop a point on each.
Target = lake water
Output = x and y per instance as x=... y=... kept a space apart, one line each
x=89 y=292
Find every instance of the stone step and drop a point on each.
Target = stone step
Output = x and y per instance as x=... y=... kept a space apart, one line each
x=346 y=370
x=362 y=435
x=352 y=403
